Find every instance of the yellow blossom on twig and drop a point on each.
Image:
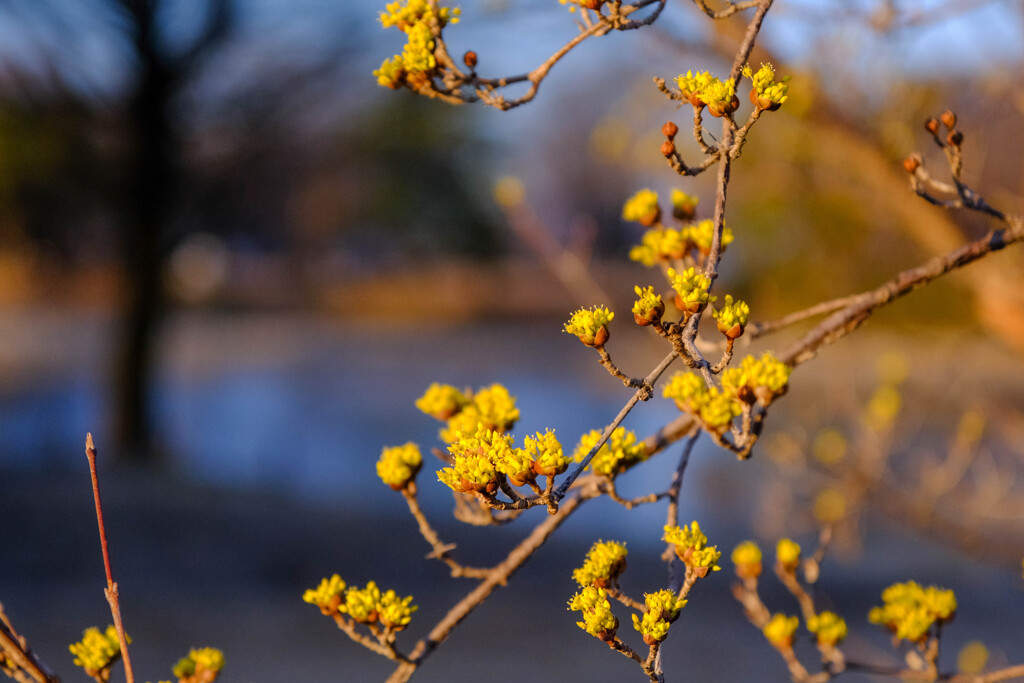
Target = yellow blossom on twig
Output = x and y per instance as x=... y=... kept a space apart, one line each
x=746 y=557
x=648 y=308
x=398 y=465
x=203 y=664
x=642 y=208
x=618 y=454
x=590 y=325
x=663 y=608
x=691 y=289
x=327 y=596
x=779 y=631
x=787 y=553
x=692 y=548
x=766 y=93
x=605 y=561
x=829 y=627
x=909 y=610
x=598 y=619
x=97 y=650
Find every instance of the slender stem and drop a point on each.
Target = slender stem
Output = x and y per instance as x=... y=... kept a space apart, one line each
x=441 y=550
x=111 y=589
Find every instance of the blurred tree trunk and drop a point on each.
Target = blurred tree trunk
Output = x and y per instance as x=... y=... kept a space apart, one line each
x=151 y=178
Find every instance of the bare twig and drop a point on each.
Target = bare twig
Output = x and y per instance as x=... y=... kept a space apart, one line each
x=111 y=590
x=441 y=551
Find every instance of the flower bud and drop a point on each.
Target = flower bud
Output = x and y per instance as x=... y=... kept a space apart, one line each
x=955 y=138
x=668 y=148
x=669 y=130
x=912 y=163
x=932 y=125
x=469 y=59
x=592 y=4
x=949 y=119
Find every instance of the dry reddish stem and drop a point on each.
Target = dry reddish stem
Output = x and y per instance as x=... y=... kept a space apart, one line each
x=111 y=590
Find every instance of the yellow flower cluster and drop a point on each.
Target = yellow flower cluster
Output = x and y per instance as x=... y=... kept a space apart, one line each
x=474 y=459
x=746 y=557
x=364 y=605
x=590 y=325
x=683 y=205
x=712 y=407
x=605 y=561
x=648 y=308
x=642 y=208
x=732 y=317
x=701 y=233
x=691 y=289
x=909 y=610
x=779 y=631
x=200 y=665
x=829 y=627
x=757 y=379
x=97 y=650
x=663 y=608
x=493 y=407
x=415 y=18
x=618 y=454
x=547 y=455
x=441 y=401
x=667 y=244
x=659 y=244
x=598 y=619
x=398 y=465
x=478 y=458
x=766 y=93
x=787 y=553
x=326 y=596
x=394 y=612
x=703 y=89
x=692 y=548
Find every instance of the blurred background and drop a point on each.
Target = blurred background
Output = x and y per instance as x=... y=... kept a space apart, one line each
x=237 y=261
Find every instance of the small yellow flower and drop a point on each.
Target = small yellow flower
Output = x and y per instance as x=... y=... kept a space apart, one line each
x=475 y=460
x=361 y=604
x=395 y=613
x=766 y=93
x=590 y=325
x=642 y=208
x=327 y=596
x=713 y=408
x=618 y=454
x=549 y=460
x=704 y=89
x=97 y=651
x=598 y=619
x=909 y=610
x=683 y=205
x=398 y=465
x=757 y=379
x=829 y=627
x=691 y=289
x=779 y=631
x=746 y=557
x=732 y=317
x=787 y=553
x=441 y=401
x=692 y=548
x=391 y=73
x=493 y=407
x=200 y=665
x=663 y=608
x=702 y=233
x=648 y=307
x=605 y=561
x=659 y=245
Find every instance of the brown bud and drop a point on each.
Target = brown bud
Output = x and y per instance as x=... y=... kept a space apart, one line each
x=949 y=119
x=955 y=138
x=469 y=59
x=668 y=148
x=912 y=162
x=669 y=130
x=932 y=125
x=593 y=4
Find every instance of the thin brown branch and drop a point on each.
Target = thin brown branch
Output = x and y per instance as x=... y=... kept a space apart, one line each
x=111 y=590
x=730 y=9
x=862 y=306
x=15 y=650
x=499 y=576
x=384 y=649
x=440 y=550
